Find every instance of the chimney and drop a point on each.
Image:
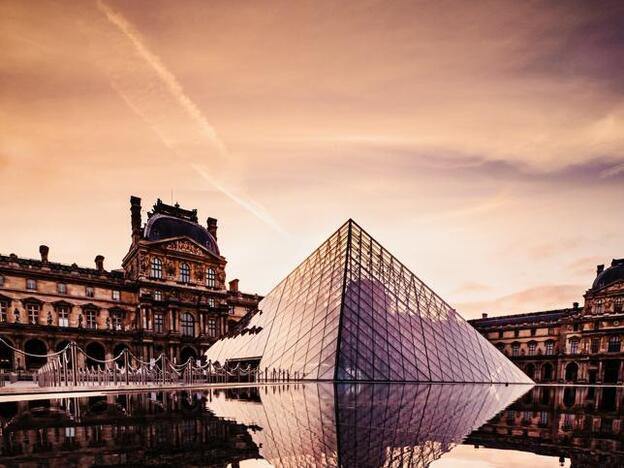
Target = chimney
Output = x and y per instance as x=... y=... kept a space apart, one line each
x=599 y=269
x=234 y=285
x=43 y=250
x=99 y=263
x=575 y=305
x=135 y=212
x=484 y=315
x=212 y=227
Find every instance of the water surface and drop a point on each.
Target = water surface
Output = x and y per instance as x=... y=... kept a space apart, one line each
x=321 y=424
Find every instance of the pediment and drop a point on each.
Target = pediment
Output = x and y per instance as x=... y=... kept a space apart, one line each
x=184 y=245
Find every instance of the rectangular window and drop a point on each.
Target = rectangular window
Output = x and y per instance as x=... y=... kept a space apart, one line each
x=618 y=303
x=574 y=347
x=91 y=319
x=61 y=288
x=211 y=278
x=211 y=302
x=212 y=328
x=598 y=307
x=543 y=418
x=116 y=295
x=533 y=331
x=63 y=316
x=4 y=311
x=31 y=284
x=231 y=310
x=33 y=313
x=117 y=322
x=549 y=348
x=614 y=344
x=595 y=345
x=158 y=322
x=515 y=349
x=89 y=292
x=532 y=347
x=158 y=296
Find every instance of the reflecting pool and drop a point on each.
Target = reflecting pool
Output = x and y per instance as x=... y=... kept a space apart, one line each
x=321 y=424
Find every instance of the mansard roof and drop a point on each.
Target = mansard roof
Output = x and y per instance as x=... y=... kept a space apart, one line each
x=161 y=226
x=611 y=275
x=532 y=318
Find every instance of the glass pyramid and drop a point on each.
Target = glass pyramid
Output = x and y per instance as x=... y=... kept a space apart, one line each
x=352 y=311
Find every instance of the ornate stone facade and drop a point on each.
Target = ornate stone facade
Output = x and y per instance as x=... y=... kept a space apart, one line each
x=578 y=344
x=169 y=296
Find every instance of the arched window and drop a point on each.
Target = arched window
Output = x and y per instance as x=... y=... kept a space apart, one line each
x=532 y=348
x=156 y=268
x=515 y=349
x=211 y=278
x=185 y=273
x=187 y=322
x=550 y=348
x=614 y=344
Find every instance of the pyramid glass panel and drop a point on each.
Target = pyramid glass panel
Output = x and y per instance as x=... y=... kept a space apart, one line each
x=352 y=311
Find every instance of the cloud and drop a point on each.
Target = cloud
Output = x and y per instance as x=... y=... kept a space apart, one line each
x=533 y=299
x=471 y=287
x=199 y=138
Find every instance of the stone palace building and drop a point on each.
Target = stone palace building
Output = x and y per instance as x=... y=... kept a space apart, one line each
x=577 y=344
x=170 y=296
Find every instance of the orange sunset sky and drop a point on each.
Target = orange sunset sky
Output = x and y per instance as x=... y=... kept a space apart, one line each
x=481 y=142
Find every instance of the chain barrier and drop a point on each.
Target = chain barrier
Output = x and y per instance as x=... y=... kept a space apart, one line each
x=62 y=370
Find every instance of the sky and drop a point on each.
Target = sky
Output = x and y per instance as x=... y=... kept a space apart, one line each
x=482 y=143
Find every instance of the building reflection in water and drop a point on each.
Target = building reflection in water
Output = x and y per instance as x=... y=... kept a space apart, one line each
x=364 y=424
x=309 y=424
x=583 y=424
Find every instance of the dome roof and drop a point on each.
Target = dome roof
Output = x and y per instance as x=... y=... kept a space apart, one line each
x=612 y=274
x=161 y=226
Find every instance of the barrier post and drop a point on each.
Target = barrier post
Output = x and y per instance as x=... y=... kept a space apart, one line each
x=74 y=362
x=126 y=362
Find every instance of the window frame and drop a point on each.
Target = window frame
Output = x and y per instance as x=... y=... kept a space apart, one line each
x=62 y=313
x=116 y=295
x=156 y=268
x=614 y=344
x=185 y=273
x=4 y=311
x=91 y=319
x=211 y=327
x=29 y=282
x=89 y=292
x=33 y=310
x=211 y=278
x=158 y=320
x=187 y=324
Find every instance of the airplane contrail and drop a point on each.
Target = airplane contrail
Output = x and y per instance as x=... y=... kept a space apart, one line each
x=174 y=90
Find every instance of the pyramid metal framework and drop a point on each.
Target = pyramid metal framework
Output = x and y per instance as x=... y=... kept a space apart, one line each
x=352 y=311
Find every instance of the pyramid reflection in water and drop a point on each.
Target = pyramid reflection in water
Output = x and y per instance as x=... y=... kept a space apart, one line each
x=352 y=311
x=362 y=425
